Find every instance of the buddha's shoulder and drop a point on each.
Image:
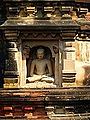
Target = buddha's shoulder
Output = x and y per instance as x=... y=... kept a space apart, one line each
x=35 y=60
x=47 y=60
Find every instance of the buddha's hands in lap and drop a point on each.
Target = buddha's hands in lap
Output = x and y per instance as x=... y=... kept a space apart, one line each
x=42 y=78
x=34 y=78
x=47 y=79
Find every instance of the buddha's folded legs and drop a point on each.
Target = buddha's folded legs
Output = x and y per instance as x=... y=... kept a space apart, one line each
x=40 y=78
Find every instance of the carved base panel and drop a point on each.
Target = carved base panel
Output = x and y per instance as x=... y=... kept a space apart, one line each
x=45 y=104
x=27 y=112
x=24 y=112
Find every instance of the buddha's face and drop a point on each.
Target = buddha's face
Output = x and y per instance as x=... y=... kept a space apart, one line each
x=40 y=53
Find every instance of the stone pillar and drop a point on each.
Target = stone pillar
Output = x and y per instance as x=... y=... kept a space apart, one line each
x=20 y=64
x=1 y=60
x=11 y=66
x=60 y=62
x=24 y=73
x=56 y=69
x=56 y=52
x=58 y=65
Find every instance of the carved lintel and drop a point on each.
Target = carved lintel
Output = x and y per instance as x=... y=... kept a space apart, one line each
x=39 y=35
x=44 y=34
x=35 y=35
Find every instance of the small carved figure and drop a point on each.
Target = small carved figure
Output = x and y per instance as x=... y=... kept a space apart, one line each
x=55 y=49
x=26 y=52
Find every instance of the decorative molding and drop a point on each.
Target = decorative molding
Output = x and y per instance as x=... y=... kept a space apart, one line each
x=11 y=35
x=39 y=35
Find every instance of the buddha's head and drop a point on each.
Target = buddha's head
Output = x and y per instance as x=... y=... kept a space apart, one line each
x=40 y=53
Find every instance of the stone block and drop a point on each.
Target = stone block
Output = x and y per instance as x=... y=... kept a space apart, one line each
x=69 y=65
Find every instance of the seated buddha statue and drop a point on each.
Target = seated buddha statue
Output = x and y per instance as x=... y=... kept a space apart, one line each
x=41 y=69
